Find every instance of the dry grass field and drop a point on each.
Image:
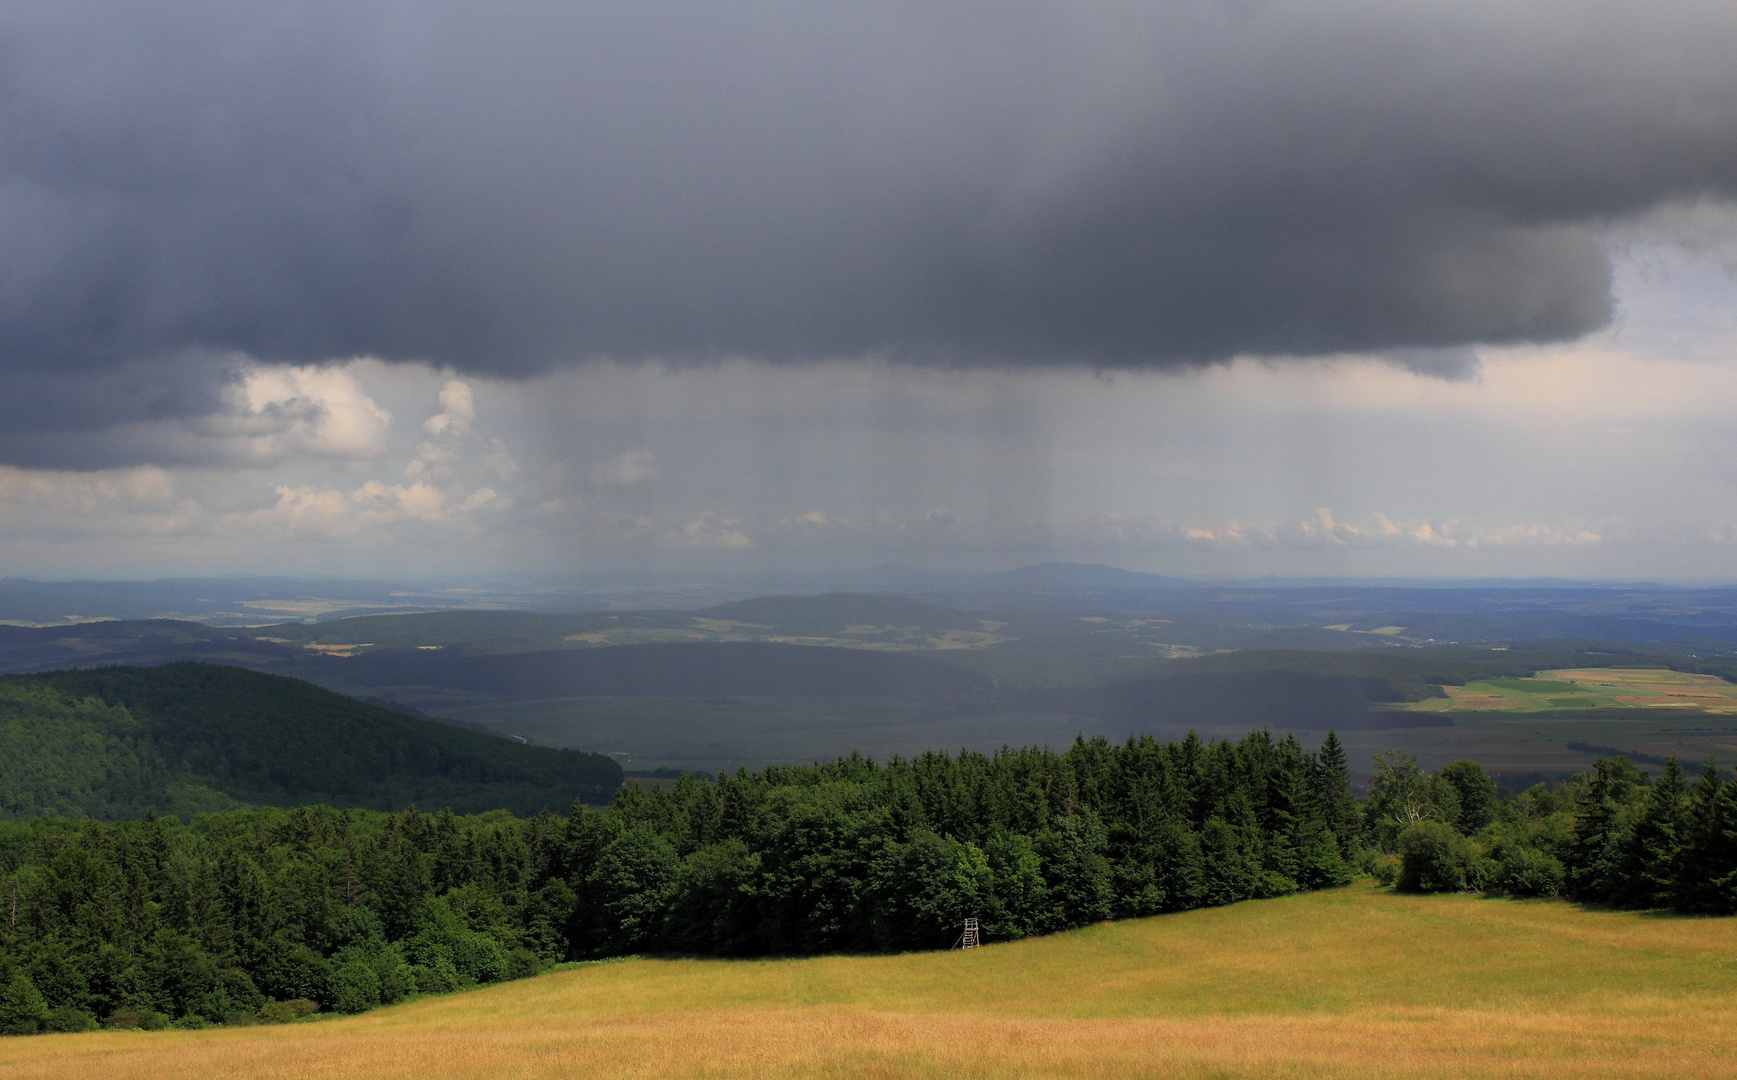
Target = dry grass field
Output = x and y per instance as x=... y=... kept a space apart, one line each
x=1360 y=982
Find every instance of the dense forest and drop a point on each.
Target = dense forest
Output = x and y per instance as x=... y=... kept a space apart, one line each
x=189 y=737
x=271 y=913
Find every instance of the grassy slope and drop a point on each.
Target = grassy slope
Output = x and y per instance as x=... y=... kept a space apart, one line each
x=1358 y=982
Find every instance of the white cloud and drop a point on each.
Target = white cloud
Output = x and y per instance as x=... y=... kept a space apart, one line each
x=330 y=514
x=457 y=409
x=143 y=486
x=112 y=502
x=309 y=511
x=629 y=469
x=812 y=520
x=318 y=410
x=449 y=432
x=478 y=499
x=710 y=531
x=1323 y=530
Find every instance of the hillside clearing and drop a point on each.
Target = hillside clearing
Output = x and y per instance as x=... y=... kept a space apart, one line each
x=1354 y=982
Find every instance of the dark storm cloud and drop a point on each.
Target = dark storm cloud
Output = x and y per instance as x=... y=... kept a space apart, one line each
x=508 y=187
x=136 y=411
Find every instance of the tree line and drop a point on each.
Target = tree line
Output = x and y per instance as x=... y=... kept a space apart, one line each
x=266 y=914
x=1611 y=835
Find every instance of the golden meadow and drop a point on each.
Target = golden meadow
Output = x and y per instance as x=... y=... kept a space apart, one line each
x=1353 y=982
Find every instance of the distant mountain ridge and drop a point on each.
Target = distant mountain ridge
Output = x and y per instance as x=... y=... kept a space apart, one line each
x=1058 y=575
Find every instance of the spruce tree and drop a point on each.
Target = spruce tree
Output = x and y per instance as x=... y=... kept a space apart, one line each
x=22 y=1009
x=1723 y=841
x=1333 y=791
x=1601 y=830
x=1708 y=864
x=1655 y=847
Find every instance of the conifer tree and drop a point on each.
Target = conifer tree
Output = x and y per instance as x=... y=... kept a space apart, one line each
x=1707 y=871
x=1650 y=869
x=1600 y=829
x=1333 y=790
x=22 y=1008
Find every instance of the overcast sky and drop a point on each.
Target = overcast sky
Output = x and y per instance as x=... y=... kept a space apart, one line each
x=1210 y=288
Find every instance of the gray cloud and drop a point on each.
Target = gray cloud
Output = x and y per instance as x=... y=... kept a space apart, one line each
x=135 y=410
x=1454 y=362
x=506 y=189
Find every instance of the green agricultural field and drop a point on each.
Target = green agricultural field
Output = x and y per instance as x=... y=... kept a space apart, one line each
x=1351 y=983
x=1527 y=724
x=1592 y=688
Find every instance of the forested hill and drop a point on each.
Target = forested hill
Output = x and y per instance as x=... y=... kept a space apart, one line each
x=114 y=742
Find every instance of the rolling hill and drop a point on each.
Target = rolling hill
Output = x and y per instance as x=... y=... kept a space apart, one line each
x=113 y=742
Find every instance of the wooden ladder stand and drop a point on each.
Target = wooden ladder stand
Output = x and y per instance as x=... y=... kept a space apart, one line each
x=969 y=941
